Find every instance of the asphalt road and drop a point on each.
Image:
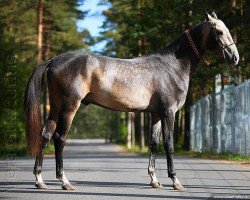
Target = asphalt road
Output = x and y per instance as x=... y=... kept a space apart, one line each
x=102 y=171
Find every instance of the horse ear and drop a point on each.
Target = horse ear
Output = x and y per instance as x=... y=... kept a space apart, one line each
x=214 y=15
x=209 y=18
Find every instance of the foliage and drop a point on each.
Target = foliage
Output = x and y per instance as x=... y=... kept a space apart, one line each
x=18 y=42
x=132 y=28
x=91 y=122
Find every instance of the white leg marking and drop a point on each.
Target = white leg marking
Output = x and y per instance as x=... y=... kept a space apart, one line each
x=175 y=180
x=39 y=178
x=153 y=177
x=64 y=179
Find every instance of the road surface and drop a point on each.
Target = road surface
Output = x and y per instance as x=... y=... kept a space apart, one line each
x=102 y=171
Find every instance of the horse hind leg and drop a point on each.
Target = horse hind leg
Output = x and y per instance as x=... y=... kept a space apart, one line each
x=65 y=118
x=154 y=144
x=47 y=132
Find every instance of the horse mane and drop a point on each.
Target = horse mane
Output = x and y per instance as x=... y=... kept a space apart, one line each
x=196 y=35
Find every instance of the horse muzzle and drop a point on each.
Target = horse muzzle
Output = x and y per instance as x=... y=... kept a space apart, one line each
x=232 y=55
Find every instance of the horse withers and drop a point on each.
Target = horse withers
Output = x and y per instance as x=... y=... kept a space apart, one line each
x=156 y=83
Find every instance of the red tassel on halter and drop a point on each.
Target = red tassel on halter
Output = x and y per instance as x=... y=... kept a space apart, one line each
x=206 y=62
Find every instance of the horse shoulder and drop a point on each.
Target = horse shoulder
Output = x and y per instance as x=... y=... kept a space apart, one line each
x=172 y=84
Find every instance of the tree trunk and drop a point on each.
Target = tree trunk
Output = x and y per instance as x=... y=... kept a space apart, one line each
x=177 y=127
x=142 y=135
x=133 y=129
x=40 y=32
x=129 y=131
x=186 y=144
x=46 y=55
x=117 y=125
x=147 y=124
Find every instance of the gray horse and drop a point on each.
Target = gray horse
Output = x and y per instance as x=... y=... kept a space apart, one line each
x=157 y=83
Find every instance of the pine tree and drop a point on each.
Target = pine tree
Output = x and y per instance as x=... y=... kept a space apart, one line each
x=19 y=42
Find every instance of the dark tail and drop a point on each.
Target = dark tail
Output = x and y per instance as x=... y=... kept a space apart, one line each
x=32 y=108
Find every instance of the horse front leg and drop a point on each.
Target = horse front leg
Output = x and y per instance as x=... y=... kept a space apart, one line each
x=167 y=121
x=153 y=145
x=64 y=122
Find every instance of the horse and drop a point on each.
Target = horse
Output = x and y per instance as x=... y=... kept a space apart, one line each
x=156 y=83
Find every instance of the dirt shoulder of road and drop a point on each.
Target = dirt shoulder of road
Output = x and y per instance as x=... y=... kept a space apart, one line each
x=241 y=164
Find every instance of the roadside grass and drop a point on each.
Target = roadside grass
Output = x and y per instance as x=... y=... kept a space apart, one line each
x=12 y=152
x=215 y=156
x=49 y=150
x=206 y=155
x=21 y=151
x=136 y=149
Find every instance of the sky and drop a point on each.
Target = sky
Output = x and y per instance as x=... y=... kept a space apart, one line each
x=93 y=21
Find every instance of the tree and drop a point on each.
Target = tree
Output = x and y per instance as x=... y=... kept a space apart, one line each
x=40 y=31
x=19 y=36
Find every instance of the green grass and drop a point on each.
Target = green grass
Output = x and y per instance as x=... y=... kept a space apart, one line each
x=21 y=151
x=49 y=149
x=206 y=155
x=216 y=156
x=11 y=152
x=136 y=149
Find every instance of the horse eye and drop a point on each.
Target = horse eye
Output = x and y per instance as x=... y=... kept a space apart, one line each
x=219 y=32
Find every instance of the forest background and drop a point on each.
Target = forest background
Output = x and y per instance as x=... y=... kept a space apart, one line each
x=32 y=31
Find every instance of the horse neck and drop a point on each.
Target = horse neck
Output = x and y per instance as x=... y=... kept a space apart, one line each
x=183 y=51
x=199 y=35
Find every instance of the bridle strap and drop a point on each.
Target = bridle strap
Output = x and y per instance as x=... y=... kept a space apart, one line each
x=196 y=51
x=222 y=47
x=191 y=42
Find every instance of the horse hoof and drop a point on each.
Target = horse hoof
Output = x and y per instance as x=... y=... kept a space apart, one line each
x=178 y=186
x=41 y=185
x=68 y=186
x=156 y=185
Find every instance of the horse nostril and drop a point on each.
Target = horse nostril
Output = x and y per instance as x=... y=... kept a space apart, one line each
x=235 y=59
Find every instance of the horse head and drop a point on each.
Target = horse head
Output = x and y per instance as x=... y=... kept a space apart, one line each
x=220 y=38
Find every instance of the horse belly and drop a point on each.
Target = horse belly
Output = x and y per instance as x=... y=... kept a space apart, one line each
x=122 y=99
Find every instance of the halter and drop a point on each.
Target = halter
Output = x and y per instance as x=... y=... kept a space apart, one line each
x=222 y=48
x=196 y=51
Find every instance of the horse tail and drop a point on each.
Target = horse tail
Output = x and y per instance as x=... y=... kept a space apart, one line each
x=32 y=108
